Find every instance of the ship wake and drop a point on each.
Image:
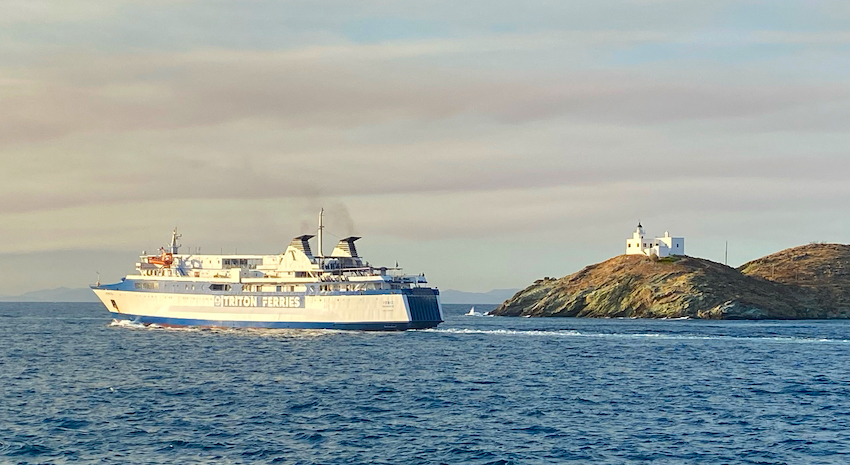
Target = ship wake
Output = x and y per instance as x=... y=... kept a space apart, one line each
x=646 y=336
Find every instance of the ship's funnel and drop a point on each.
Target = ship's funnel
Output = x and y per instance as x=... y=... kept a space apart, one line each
x=345 y=248
x=302 y=243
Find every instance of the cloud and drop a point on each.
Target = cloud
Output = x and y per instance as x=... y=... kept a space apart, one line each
x=52 y=11
x=275 y=124
x=59 y=11
x=559 y=121
x=306 y=89
x=802 y=38
x=352 y=86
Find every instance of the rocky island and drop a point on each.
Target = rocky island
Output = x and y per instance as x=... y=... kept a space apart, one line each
x=811 y=281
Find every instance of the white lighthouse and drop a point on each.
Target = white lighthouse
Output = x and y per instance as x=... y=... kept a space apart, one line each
x=660 y=246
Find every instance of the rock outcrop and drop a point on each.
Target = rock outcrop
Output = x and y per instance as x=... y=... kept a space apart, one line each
x=810 y=281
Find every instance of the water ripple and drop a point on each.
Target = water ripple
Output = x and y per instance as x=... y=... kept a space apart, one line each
x=79 y=388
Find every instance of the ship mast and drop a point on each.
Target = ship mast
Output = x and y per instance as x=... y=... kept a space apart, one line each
x=319 y=236
x=175 y=247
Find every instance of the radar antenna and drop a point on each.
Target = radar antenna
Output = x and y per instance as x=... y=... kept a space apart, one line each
x=174 y=245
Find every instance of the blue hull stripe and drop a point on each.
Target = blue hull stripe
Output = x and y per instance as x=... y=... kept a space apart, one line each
x=365 y=326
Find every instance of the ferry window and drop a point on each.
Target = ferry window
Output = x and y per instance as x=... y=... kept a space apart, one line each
x=144 y=285
x=291 y=288
x=277 y=289
x=216 y=287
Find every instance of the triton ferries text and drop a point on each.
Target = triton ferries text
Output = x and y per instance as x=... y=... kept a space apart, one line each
x=292 y=301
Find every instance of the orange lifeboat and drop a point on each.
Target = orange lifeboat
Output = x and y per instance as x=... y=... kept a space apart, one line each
x=165 y=259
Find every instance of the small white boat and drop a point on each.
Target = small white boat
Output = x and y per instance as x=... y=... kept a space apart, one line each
x=471 y=312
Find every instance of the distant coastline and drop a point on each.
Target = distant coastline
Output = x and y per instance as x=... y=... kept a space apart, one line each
x=496 y=296
x=59 y=294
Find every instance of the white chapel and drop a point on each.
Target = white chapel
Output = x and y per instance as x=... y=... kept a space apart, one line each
x=660 y=246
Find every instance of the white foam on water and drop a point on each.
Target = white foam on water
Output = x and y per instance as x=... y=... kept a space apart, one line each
x=127 y=324
x=574 y=333
x=287 y=333
x=262 y=332
x=312 y=333
x=502 y=332
x=152 y=327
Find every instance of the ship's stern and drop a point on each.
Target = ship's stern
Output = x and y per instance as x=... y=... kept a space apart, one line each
x=424 y=307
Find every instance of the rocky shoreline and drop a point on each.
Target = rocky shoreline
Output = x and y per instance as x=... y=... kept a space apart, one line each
x=805 y=282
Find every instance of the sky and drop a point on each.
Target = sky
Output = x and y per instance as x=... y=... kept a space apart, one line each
x=484 y=143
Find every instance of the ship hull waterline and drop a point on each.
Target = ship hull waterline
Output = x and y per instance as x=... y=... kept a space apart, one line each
x=389 y=312
x=187 y=322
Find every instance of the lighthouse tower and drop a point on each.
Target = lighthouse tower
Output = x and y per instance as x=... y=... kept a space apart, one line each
x=637 y=244
x=660 y=246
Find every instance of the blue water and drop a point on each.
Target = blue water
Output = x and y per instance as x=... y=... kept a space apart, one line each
x=477 y=390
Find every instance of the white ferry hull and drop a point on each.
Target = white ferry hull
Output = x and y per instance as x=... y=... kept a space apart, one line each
x=382 y=311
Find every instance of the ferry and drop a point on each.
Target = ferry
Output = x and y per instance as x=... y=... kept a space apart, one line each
x=295 y=289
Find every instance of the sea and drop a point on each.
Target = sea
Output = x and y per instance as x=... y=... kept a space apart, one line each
x=78 y=388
